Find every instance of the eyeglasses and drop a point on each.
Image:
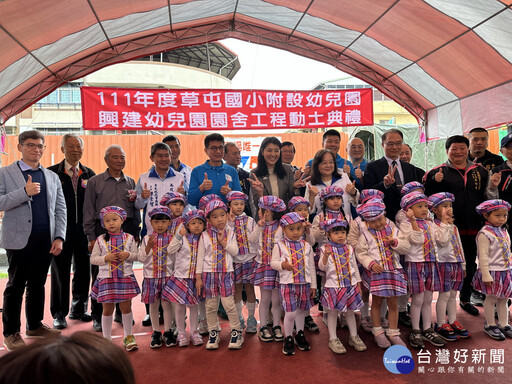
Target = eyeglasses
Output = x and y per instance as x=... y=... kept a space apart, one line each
x=393 y=144
x=33 y=146
x=220 y=148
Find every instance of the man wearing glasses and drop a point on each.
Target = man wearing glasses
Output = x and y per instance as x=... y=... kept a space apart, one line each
x=33 y=231
x=214 y=176
x=389 y=174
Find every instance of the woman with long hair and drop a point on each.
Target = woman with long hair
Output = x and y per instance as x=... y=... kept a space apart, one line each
x=271 y=176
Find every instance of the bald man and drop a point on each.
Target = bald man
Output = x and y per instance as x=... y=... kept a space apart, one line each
x=355 y=152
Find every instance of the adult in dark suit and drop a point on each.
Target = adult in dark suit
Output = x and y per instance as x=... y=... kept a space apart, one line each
x=33 y=231
x=406 y=156
x=74 y=177
x=389 y=174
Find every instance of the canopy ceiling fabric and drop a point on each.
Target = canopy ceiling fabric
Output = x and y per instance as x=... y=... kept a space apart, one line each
x=447 y=61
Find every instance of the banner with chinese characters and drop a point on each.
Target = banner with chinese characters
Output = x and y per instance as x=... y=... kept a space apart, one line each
x=201 y=109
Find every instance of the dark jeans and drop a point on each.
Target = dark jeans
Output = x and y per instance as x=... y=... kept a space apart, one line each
x=469 y=247
x=28 y=268
x=75 y=248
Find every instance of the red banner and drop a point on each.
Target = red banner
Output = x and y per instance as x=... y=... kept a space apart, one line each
x=220 y=109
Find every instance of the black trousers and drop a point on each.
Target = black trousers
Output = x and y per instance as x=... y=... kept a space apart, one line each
x=469 y=246
x=75 y=249
x=28 y=268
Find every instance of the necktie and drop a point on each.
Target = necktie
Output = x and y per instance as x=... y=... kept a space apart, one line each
x=398 y=179
x=74 y=177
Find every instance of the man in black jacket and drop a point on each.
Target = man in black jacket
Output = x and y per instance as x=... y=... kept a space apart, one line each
x=471 y=185
x=478 y=153
x=389 y=174
x=73 y=176
x=505 y=187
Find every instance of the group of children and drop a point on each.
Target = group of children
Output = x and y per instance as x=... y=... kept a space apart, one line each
x=210 y=255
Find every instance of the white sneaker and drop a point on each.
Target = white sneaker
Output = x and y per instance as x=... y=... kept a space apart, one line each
x=337 y=347
x=357 y=343
x=213 y=340
x=236 y=340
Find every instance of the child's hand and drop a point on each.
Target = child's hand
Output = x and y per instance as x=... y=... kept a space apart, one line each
x=313 y=293
x=151 y=242
x=122 y=256
x=377 y=268
x=286 y=265
x=410 y=214
x=231 y=216
x=391 y=241
x=111 y=257
x=261 y=221
x=221 y=238
x=199 y=285
x=489 y=284
x=183 y=231
x=327 y=254
x=307 y=227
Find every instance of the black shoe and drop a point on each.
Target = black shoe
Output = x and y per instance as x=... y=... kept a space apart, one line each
x=477 y=299
x=156 y=340
x=169 y=339
x=60 y=323
x=147 y=321
x=404 y=319
x=289 y=346
x=96 y=325
x=85 y=317
x=118 y=318
x=469 y=308
x=300 y=340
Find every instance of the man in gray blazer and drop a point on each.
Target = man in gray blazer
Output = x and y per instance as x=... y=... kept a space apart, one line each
x=33 y=231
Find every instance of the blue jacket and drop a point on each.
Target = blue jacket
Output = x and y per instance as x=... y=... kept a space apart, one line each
x=218 y=175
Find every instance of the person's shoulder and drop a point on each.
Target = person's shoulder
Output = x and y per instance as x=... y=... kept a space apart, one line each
x=56 y=167
x=502 y=167
x=376 y=163
x=199 y=168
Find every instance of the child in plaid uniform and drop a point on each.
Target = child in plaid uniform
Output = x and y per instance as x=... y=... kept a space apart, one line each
x=452 y=267
x=158 y=266
x=115 y=252
x=494 y=274
x=332 y=207
x=243 y=262
x=176 y=203
x=181 y=288
x=341 y=291
x=293 y=257
x=356 y=227
x=378 y=251
x=266 y=234
x=421 y=265
x=214 y=274
x=301 y=205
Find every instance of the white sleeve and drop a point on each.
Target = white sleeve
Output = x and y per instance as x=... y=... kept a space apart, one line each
x=96 y=257
x=275 y=263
